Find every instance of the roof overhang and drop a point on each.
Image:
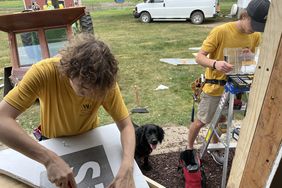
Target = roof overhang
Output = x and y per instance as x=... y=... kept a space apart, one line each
x=40 y=19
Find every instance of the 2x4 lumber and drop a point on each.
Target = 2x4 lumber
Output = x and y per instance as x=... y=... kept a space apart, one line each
x=152 y=183
x=260 y=135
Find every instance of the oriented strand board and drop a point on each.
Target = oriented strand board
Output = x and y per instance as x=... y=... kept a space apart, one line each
x=268 y=135
x=95 y=157
x=252 y=142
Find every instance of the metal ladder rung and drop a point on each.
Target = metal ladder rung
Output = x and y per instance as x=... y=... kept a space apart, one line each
x=219 y=146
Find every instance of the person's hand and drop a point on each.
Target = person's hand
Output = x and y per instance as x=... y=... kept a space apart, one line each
x=124 y=179
x=60 y=173
x=246 y=50
x=223 y=66
x=247 y=55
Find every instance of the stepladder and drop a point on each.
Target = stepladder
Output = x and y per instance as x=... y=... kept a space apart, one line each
x=236 y=84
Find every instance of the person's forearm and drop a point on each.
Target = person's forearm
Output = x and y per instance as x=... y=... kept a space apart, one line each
x=203 y=60
x=221 y=66
x=128 y=145
x=127 y=141
x=14 y=137
x=124 y=177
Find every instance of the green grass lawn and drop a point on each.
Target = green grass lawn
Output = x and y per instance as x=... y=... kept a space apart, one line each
x=138 y=48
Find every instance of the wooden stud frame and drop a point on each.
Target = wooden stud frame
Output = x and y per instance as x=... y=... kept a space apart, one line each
x=261 y=133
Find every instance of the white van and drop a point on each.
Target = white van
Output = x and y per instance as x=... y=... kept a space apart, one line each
x=196 y=10
x=237 y=8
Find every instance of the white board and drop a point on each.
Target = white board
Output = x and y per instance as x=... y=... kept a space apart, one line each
x=95 y=157
x=179 y=61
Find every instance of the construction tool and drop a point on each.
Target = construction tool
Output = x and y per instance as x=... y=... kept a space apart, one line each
x=138 y=109
x=193 y=108
x=1 y=85
x=235 y=133
x=196 y=87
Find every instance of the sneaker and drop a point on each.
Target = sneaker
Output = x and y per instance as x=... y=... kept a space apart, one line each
x=217 y=156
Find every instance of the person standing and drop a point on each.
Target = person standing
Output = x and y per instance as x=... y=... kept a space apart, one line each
x=238 y=34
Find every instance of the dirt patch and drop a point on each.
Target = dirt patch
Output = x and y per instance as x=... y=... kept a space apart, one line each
x=165 y=170
x=175 y=140
x=176 y=137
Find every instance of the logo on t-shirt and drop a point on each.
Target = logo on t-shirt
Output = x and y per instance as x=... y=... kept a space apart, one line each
x=86 y=108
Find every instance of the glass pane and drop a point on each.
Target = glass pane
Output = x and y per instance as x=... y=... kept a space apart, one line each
x=56 y=39
x=157 y=1
x=28 y=48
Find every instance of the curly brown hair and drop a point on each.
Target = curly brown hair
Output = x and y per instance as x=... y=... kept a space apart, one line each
x=91 y=61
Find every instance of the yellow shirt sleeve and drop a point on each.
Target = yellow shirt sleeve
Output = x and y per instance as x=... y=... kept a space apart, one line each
x=114 y=105
x=212 y=41
x=26 y=92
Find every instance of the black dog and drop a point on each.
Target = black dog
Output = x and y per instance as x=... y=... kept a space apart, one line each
x=147 y=138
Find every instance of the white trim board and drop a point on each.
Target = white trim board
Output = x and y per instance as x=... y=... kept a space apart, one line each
x=179 y=61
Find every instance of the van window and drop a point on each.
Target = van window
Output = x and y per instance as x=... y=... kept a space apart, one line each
x=155 y=1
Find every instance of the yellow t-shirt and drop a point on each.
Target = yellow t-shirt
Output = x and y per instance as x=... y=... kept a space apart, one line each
x=225 y=36
x=62 y=112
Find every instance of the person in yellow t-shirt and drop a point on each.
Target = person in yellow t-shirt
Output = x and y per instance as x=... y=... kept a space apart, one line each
x=50 y=5
x=238 y=34
x=70 y=88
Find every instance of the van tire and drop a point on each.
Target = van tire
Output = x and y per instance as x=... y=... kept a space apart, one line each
x=145 y=17
x=197 y=17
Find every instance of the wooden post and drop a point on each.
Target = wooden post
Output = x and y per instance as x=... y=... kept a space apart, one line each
x=261 y=131
x=43 y=43
x=13 y=49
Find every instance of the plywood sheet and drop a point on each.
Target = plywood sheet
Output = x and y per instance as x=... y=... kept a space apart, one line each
x=258 y=94
x=268 y=135
x=179 y=61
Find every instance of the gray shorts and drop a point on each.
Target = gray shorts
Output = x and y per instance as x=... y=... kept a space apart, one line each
x=207 y=107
